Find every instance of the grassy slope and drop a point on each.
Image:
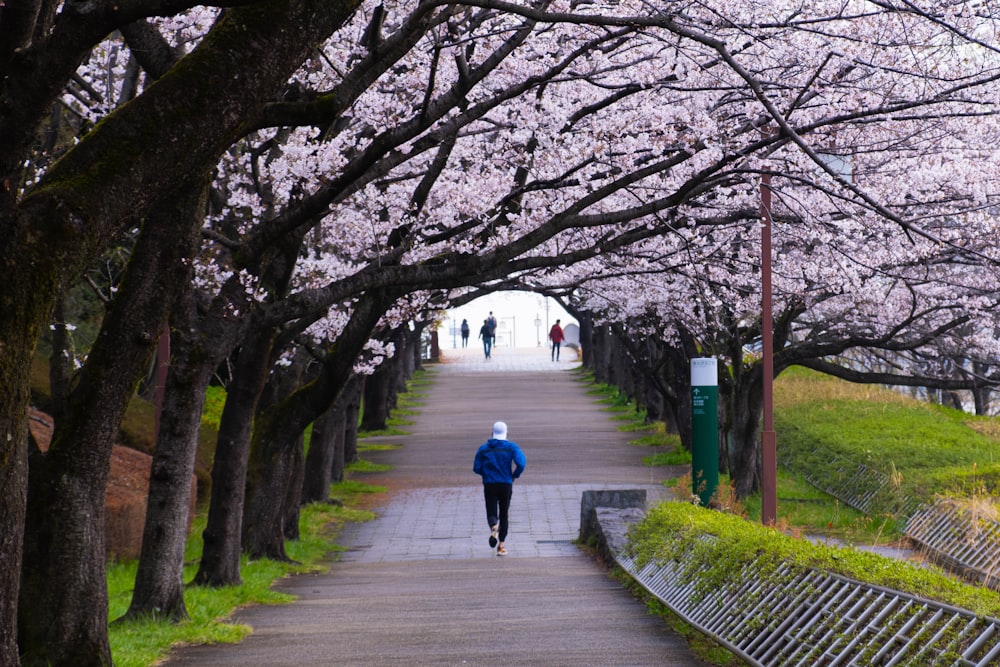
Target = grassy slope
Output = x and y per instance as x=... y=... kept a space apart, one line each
x=827 y=426
x=674 y=528
x=927 y=450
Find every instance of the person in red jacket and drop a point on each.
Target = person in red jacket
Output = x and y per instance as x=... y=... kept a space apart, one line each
x=557 y=337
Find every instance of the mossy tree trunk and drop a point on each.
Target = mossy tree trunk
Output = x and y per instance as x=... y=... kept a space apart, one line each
x=200 y=341
x=25 y=311
x=276 y=431
x=62 y=615
x=168 y=137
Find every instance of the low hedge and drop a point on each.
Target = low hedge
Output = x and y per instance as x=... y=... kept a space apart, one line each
x=676 y=530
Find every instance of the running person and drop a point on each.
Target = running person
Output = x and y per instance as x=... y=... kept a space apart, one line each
x=499 y=461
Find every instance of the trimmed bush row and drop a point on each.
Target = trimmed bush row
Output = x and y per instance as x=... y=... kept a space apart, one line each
x=778 y=600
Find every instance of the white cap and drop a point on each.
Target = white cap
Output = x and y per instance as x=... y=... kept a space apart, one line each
x=500 y=431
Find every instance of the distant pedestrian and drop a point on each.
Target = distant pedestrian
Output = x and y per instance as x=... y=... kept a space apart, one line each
x=499 y=461
x=557 y=336
x=487 y=335
x=492 y=321
x=465 y=333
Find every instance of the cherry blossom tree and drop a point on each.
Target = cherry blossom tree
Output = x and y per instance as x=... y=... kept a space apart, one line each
x=854 y=268
x=53 y=225
x=451 y=145
x=876 y=210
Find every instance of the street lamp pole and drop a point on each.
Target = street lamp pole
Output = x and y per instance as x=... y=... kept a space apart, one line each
x=769 y=472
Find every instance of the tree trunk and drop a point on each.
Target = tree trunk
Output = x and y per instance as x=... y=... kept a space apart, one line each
x=280 y=486
x=981 y=395
x=602 y=372
x=220 y=561
x=319 y=461
x=401 y=368
x=268 y=476
x=416 y=349
x=654 y=402
x=25 y=311
x=677 y=377
x=587 y=339
x=376 y=398
x=618 y=371
x=62 y=615
x=744 y=405
x=198 y=345
x=270 y=472
x=325 y=461
x=159 y=586
x=276 y=431
x=293 y=497
x=352 y=415
x=339 y=427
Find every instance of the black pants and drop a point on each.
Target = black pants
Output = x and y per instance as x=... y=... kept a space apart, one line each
x=498 y=505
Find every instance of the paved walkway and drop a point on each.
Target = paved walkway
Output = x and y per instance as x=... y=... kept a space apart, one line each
x=420 y=586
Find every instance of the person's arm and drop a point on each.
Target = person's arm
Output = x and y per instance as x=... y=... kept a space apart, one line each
x=519 y=461
x=477 y=465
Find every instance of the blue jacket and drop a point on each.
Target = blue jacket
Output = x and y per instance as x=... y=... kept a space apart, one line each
x=494 y=460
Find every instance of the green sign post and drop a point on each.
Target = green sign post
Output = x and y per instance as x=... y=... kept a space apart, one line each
x=704 y=428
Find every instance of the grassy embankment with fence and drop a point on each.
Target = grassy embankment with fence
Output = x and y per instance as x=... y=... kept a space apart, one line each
x=828 y=429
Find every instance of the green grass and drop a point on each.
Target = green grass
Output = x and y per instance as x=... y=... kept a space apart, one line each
x=804 y=508
x=410 y=400
x=362 y=465
x=615 y=401
x=634 y=420
x=398 y=421
x=389 y=430
x=670 y=450
x=824 y=424
x=349 y=492
x=677 y=457
x=142 y=643
x=674 y=529
x=377 y=447
x=927 y=450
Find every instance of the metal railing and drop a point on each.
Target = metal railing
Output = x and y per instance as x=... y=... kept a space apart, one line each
x=856 y=487
x=954 y=537
x=808 y=618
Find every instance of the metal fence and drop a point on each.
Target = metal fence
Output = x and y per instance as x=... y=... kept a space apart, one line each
x=956 y=538
x=816 y=619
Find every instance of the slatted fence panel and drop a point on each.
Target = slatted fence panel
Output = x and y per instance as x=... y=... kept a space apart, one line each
x=816 y=619
x=955 y=538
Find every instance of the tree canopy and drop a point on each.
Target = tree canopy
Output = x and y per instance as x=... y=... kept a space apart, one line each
x=308 y=175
